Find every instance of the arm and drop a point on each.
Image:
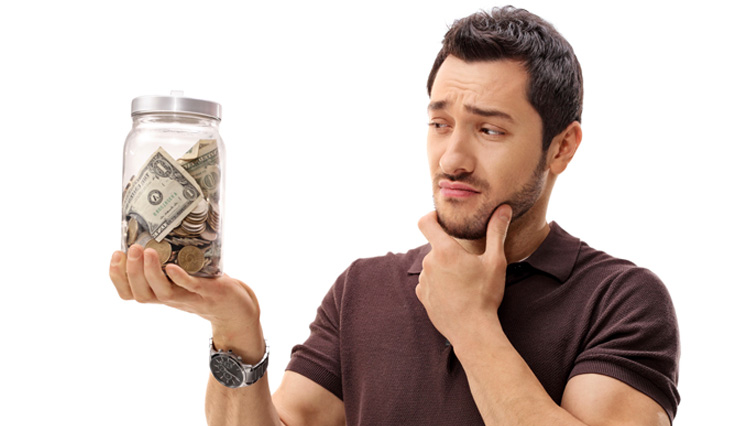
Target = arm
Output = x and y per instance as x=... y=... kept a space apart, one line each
x=461 y=293
x=493 y=367
x=232 y=309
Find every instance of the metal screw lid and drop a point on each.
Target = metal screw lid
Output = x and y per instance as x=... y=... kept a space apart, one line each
x=175 y=102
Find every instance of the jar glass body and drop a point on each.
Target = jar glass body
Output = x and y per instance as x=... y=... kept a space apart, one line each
x=173 y=189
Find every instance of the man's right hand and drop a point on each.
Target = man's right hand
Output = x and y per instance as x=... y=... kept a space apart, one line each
x=229 y=304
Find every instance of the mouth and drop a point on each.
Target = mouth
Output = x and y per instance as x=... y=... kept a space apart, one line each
x=456 y=189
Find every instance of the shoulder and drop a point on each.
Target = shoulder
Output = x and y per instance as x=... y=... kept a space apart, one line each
x=577 y=265
x=606 y=286
x=606 y=275
x=366 y=276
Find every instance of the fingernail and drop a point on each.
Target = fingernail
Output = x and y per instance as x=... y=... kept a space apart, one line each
x=116 y=257
x=134 y=254
x=507 y=212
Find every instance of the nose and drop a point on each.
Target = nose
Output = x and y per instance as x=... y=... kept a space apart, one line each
x=458 y=157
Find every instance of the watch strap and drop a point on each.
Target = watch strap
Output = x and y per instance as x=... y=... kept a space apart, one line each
x=253 y=373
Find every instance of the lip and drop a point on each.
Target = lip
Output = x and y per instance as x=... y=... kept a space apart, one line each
x=456 y=189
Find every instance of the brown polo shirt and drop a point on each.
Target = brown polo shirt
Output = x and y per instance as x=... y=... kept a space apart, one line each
x=568 y=309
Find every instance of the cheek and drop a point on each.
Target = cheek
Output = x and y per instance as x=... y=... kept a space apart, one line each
x=433 y=157
x=502 y=175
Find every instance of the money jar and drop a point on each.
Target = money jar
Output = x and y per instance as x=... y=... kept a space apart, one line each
x=173 y=182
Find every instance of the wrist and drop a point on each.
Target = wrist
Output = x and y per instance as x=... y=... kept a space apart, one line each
x=247 y=342
x=484 y=331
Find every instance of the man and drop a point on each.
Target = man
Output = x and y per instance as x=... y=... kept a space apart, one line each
x=503 y=318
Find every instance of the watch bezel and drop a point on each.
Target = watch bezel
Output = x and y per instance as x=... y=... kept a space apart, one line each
x=228 y=357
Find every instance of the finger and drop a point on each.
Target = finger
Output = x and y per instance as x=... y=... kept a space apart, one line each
x=163 y=289
x=183 y=279
x=118 y=276
x=434 y=233
x=497 y=230
x=138 y=284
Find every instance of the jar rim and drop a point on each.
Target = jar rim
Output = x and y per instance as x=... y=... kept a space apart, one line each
x=152 y=104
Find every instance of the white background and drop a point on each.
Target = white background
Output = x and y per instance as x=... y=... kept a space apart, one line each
x=324 y=124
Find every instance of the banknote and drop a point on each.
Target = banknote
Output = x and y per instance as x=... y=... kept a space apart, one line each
x=202 y=163
x=160 y=195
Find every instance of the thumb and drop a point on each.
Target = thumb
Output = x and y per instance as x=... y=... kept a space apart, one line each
x=497 y=230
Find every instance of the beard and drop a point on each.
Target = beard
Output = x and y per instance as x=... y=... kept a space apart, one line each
x=474 y=227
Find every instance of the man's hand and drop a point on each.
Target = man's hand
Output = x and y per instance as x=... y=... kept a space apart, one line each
x=458 y=289
x=229 y=304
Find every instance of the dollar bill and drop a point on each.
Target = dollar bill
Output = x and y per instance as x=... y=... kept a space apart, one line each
x=161 y=195
x=202 y=163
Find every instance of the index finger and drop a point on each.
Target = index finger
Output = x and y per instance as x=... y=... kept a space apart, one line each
x=118 y=276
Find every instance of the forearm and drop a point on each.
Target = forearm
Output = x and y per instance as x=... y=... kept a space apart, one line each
x=503 y=386
x=251 y=405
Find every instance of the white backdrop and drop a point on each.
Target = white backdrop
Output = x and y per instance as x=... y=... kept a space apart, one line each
x=324 y=123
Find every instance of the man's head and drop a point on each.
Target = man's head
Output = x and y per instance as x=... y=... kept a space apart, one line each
x=555 y=86
x=505 y=105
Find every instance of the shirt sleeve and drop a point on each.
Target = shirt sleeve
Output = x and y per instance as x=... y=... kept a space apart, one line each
x=634 y=337
x=319 y=358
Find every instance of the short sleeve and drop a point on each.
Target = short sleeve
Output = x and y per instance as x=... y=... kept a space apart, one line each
x=634 y=337
x=319 y=358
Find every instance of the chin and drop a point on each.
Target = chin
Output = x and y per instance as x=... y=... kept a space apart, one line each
x=468 y=227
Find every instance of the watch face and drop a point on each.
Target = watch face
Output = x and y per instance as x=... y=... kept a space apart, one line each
x=226 y=370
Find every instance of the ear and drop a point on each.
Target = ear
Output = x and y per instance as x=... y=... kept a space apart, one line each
x=563 y=147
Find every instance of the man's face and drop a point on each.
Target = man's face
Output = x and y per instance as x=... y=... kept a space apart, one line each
x=484 y=145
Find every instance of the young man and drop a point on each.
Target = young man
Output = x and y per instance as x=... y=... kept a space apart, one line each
x=502 y=318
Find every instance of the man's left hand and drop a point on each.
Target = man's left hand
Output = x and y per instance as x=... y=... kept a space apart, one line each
x=461 y=290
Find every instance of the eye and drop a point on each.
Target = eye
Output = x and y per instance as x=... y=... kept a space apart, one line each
x=438 y=126
x=492 y=131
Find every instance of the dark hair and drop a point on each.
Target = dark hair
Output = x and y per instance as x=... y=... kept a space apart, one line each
x=555 y=87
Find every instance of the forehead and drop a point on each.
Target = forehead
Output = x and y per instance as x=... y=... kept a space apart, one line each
x=500 y=83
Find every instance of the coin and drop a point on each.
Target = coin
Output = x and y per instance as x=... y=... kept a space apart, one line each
x=209 y=235
x=143 y=239
x=163 y=249
x=132 y=231
x=190 y=258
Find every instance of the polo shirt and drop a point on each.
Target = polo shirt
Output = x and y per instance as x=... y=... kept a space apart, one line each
x=568 y=309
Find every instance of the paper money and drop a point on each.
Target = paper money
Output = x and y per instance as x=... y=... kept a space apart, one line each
x=160 y=195
x=202 y=162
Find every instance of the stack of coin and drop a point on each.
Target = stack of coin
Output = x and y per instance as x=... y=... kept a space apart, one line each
x=194 y=245
x=195 y=222
x=213 y=216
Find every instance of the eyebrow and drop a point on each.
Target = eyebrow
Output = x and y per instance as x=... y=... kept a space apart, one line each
x=484 y=112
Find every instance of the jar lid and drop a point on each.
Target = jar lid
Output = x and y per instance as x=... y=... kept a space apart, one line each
x=175 y=102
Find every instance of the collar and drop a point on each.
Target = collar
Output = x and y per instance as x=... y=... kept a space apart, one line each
x=556 y=255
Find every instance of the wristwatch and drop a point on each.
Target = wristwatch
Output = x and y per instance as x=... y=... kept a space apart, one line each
x=230 y=371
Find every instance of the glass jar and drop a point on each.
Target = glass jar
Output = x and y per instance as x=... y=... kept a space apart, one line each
x=172 y=182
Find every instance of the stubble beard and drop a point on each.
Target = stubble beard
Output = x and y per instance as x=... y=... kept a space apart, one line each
x=474 y=227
